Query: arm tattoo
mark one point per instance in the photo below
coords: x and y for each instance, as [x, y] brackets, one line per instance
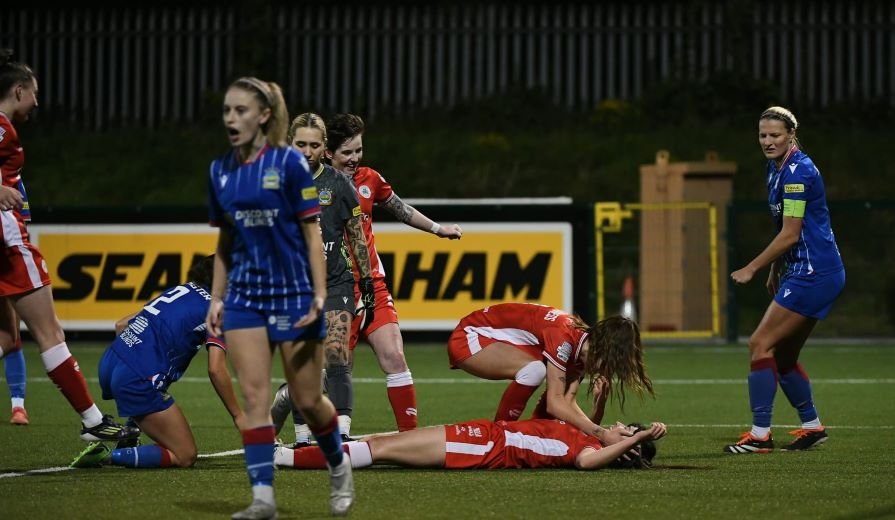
[400, 209]
[358, 242]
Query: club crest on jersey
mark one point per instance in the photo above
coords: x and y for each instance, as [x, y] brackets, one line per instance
[365, 192]
[564, 352]
[325, 197]
[271, 178]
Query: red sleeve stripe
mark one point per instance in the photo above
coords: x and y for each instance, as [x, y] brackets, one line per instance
[215, 342]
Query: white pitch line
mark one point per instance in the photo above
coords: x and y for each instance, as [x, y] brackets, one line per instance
[230, 453]
[35, 472]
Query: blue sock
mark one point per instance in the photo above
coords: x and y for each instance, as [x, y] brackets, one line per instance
[762, 388]
[152, 456]
[258, 443]
[15, 373]
[797, 388]
[329, 440]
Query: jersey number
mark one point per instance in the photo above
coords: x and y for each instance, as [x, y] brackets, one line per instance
[168, 297]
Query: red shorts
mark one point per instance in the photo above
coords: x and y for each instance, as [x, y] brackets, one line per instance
[23, 269]
[467, 340]
[473, 445]
[384, 313]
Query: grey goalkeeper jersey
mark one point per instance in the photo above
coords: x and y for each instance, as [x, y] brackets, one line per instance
[338, 204]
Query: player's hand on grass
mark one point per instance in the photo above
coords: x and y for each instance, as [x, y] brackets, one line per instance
[313, 313]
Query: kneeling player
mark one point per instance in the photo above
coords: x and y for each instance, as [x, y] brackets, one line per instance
[153, 349]
[484, 444]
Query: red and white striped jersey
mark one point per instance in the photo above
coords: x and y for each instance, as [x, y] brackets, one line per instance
[12, 160]
[372, 188]
[531, 327]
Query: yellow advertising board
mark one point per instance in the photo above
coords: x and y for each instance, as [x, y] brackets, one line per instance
[103, 272]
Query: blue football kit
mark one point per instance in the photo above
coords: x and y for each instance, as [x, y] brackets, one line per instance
[814, 275]
[264, 202]
[155, 350]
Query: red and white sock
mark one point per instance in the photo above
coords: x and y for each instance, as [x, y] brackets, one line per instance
[312, 458]
[63, 370]
[402, 396]
[516, 396]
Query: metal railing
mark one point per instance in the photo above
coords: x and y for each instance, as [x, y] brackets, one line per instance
[100, 67]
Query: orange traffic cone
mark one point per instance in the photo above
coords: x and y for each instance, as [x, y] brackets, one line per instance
[628, 309]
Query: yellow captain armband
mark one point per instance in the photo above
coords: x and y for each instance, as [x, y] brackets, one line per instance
[794, 208]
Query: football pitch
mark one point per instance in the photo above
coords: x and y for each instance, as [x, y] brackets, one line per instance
[701, 395]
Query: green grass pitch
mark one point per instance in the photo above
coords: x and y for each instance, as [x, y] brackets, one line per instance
[701, 395]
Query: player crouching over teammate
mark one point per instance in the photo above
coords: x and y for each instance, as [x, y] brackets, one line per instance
[484, 444]
[153, 349]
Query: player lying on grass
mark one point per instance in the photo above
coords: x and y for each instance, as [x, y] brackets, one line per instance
[484, 444]
[529, 343]
[153, 349]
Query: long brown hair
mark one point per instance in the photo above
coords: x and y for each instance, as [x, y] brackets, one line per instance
[615, 352]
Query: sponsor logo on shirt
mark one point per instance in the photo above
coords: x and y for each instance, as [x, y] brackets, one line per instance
[471, 431]
[271, 178]
[224, 179]
[786, 292]
[365, 191]
[775, 209]
[356, 211]
[326, 197]
[256, 217]
[309, 193]
[792, 168]
[794, 188]
[2, 133]
[564, 352]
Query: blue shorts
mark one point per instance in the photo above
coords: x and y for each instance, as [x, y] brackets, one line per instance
[813, 295]
[134, 395]
[279, 323]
